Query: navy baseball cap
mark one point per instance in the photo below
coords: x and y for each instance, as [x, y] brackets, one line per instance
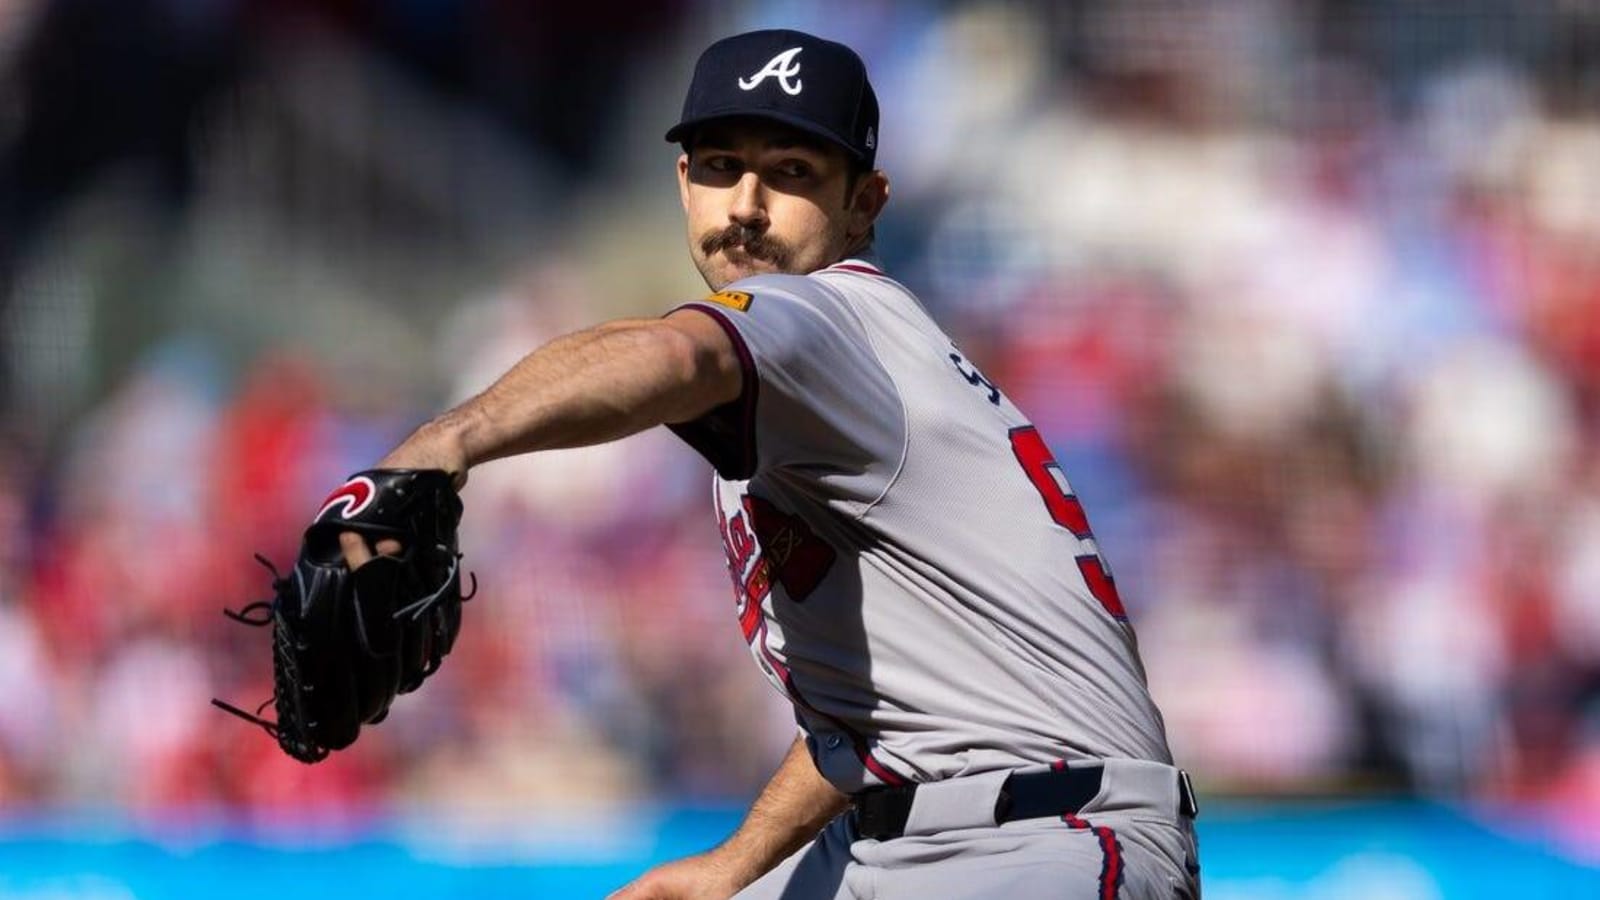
[787, 76]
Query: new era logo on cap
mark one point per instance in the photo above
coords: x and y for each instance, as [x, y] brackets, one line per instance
[759, 74]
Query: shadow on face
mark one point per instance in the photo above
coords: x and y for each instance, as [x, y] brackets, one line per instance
[763, 196]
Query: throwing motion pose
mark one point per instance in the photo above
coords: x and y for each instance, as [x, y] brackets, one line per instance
[911, 567]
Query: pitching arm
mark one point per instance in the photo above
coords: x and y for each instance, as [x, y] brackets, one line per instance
[589, 387]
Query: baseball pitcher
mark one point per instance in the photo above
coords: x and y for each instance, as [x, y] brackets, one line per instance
[911, 567]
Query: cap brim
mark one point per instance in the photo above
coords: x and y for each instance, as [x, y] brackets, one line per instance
[680, 132]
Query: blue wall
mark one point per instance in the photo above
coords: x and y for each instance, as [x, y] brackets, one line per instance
[1387, 851]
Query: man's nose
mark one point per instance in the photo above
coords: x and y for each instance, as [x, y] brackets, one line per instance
[749, 206]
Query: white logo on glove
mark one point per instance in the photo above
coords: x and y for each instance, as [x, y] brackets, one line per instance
[782, 67]
[354, 495]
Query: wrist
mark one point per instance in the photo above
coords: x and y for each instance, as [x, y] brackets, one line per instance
[439, 444]
[462, 436]
[738, 864]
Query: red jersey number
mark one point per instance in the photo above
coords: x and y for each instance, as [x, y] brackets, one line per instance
[1045, 473]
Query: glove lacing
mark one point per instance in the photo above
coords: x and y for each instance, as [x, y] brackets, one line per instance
[245, 615]
[418, 607]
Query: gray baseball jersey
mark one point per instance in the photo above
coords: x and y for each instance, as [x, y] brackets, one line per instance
[910, 565]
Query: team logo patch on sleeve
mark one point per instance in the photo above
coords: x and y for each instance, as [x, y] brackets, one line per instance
[738, 300]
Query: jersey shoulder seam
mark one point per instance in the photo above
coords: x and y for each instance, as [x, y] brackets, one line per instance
[848, 304]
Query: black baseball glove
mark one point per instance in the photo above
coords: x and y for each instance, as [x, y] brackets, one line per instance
[345, 643]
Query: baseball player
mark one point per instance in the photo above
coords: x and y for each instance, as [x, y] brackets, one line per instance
[911, 567]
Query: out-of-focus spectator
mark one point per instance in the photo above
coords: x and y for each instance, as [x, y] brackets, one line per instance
[1307, 303]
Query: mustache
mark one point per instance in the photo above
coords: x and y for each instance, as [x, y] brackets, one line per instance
[757, 244]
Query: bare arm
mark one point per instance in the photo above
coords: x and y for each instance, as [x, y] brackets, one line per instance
[796, 803]
[791, 809]
[589, 387]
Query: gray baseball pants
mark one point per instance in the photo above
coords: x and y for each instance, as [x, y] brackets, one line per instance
[1131, 841]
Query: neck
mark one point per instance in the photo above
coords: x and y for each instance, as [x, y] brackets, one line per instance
[861, 246]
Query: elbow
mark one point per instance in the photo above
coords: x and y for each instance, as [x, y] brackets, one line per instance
[701, 370]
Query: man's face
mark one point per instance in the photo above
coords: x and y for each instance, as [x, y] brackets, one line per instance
[761, 197]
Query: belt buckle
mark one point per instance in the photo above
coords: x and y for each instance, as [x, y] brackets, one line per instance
[1188, 803]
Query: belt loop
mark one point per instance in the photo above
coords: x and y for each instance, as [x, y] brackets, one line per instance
[881, 812]
[1188, 803]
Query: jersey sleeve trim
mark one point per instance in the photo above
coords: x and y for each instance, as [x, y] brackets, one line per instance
[726, 436]
[854, 267]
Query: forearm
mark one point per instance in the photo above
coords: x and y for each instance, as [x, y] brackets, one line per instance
[796, 803]
[589, 387]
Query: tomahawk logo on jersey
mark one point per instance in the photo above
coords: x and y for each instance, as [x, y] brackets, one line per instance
[911, 649]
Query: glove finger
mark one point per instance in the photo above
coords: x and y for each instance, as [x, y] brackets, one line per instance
[421, 652]
[375, 594]
[447, 625]
[418, 650]
[329, 691]
[316, 704]
[375, 636]
[335, 720]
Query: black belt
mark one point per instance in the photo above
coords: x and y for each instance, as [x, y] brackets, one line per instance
[881, 813]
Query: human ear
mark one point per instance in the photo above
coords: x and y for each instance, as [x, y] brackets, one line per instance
[867, 201]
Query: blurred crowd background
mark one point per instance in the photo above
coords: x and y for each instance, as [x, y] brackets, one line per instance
[1305, 294]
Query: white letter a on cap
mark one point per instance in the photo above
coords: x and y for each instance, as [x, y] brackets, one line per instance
[781, 67]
